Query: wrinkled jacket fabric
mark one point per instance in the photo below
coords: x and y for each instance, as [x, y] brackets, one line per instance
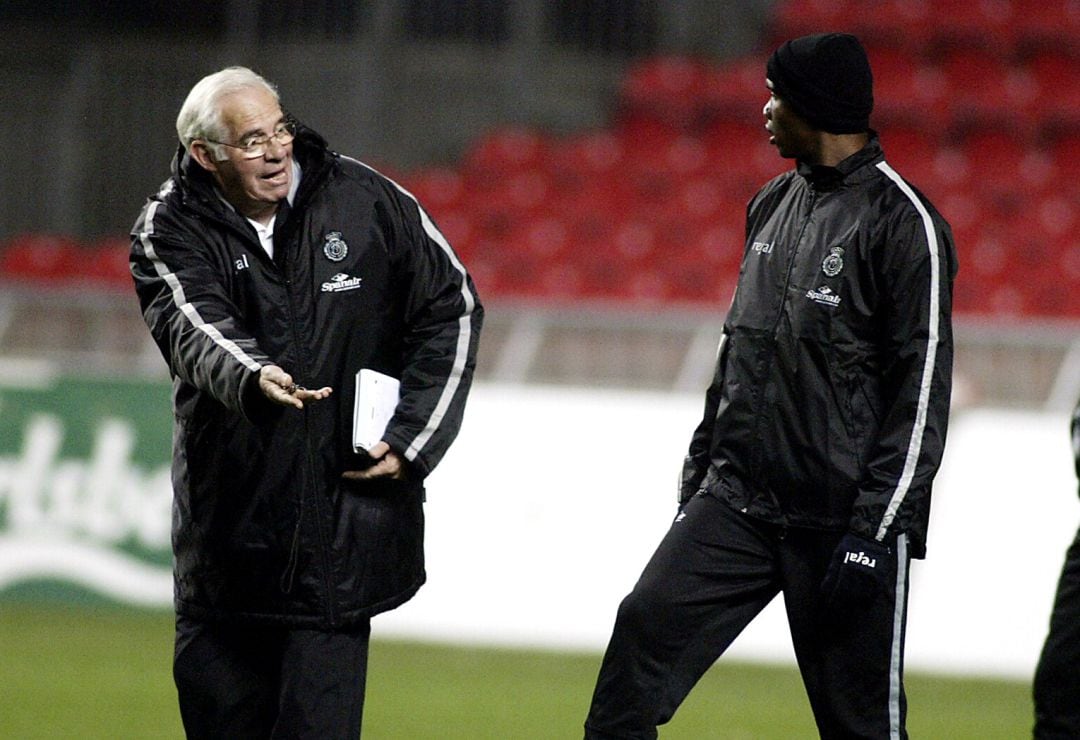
[830, 401]
[264, 528]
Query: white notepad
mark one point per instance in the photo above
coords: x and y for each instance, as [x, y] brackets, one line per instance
[376, 398]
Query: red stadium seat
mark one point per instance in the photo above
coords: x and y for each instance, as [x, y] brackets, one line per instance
[1053, 292]
[983, 89]
[667, 88]
[989, 24]
[977, 102]
[501, 154]
[725, 137]
[906, 23]
[1064, 153]
[50, 258]
[700, 200]
[911, 151]
[1055, 75]
[1050, 24]
[439, 189]
[546, 238]
[107, 262]
[706, 269]
[515, 199]
[686, 156]
[507, 149]
[1007, 301]
[1067, 266]
[908, 90]
[735, 91]
[800, 17]
[579, 161]
[1057, 217]
[460, 229]
[1009, 167]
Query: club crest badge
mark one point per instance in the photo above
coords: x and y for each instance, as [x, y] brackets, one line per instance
[335, 247]
[834, 263]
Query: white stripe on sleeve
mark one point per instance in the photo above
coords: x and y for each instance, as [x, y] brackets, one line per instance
[180, 299]
[919, 425]
[461, 352]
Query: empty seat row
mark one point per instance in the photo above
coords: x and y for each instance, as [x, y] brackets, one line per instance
[56, 260]
[651, 207]
[954, 89]
[1001, 24]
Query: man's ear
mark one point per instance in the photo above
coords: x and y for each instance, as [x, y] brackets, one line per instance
[201, 153]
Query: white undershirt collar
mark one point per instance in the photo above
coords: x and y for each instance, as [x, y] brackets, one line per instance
[266, 231]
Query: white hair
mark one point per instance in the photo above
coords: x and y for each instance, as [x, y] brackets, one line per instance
[200, 115]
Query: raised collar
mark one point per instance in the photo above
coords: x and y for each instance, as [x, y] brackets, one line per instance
[824, 177]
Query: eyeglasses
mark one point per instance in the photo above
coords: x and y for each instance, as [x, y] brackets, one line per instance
[254, 147]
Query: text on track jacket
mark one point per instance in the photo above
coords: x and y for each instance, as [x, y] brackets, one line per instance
[264, 528]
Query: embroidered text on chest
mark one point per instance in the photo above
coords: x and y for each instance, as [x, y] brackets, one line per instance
[824, 295]
[341, 282]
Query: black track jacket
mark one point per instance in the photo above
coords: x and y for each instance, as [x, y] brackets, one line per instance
[264, 528]
[830, 401]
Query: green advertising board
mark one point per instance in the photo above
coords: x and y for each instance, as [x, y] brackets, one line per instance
[85, 492]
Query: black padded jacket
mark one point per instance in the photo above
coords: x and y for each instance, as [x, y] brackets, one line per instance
[264, 527]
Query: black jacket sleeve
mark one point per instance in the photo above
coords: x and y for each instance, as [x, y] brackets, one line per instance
[443, 317]
[696, 463]
[190, 316]
[918, 267]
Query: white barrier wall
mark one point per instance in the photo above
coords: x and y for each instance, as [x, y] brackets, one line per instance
[544, 513]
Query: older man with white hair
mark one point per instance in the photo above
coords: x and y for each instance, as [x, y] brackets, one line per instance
[271, 271]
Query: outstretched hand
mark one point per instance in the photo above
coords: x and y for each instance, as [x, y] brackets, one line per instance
[278, 386]
[388, 464]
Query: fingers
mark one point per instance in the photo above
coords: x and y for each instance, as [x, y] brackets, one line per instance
[278, 386]
[388, 465]
[378, 449]
[307, 394]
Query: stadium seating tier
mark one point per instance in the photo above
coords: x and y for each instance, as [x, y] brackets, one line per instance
[978, 104]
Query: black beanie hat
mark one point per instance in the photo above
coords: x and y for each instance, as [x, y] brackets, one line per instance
[826, 79]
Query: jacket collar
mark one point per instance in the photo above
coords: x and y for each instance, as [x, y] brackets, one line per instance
[822, 177]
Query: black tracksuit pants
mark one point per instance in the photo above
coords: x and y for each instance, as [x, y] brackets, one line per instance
[1057, 676]
[237, 681]
[714, 571]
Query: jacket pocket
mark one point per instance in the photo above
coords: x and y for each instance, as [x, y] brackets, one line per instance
[863, 420]
[378, 540]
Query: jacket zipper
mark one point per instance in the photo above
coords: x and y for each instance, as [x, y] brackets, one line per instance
[776, 325]
[791, 259]
[324, 555]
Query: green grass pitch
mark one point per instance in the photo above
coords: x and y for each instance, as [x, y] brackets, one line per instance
[98, 672]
